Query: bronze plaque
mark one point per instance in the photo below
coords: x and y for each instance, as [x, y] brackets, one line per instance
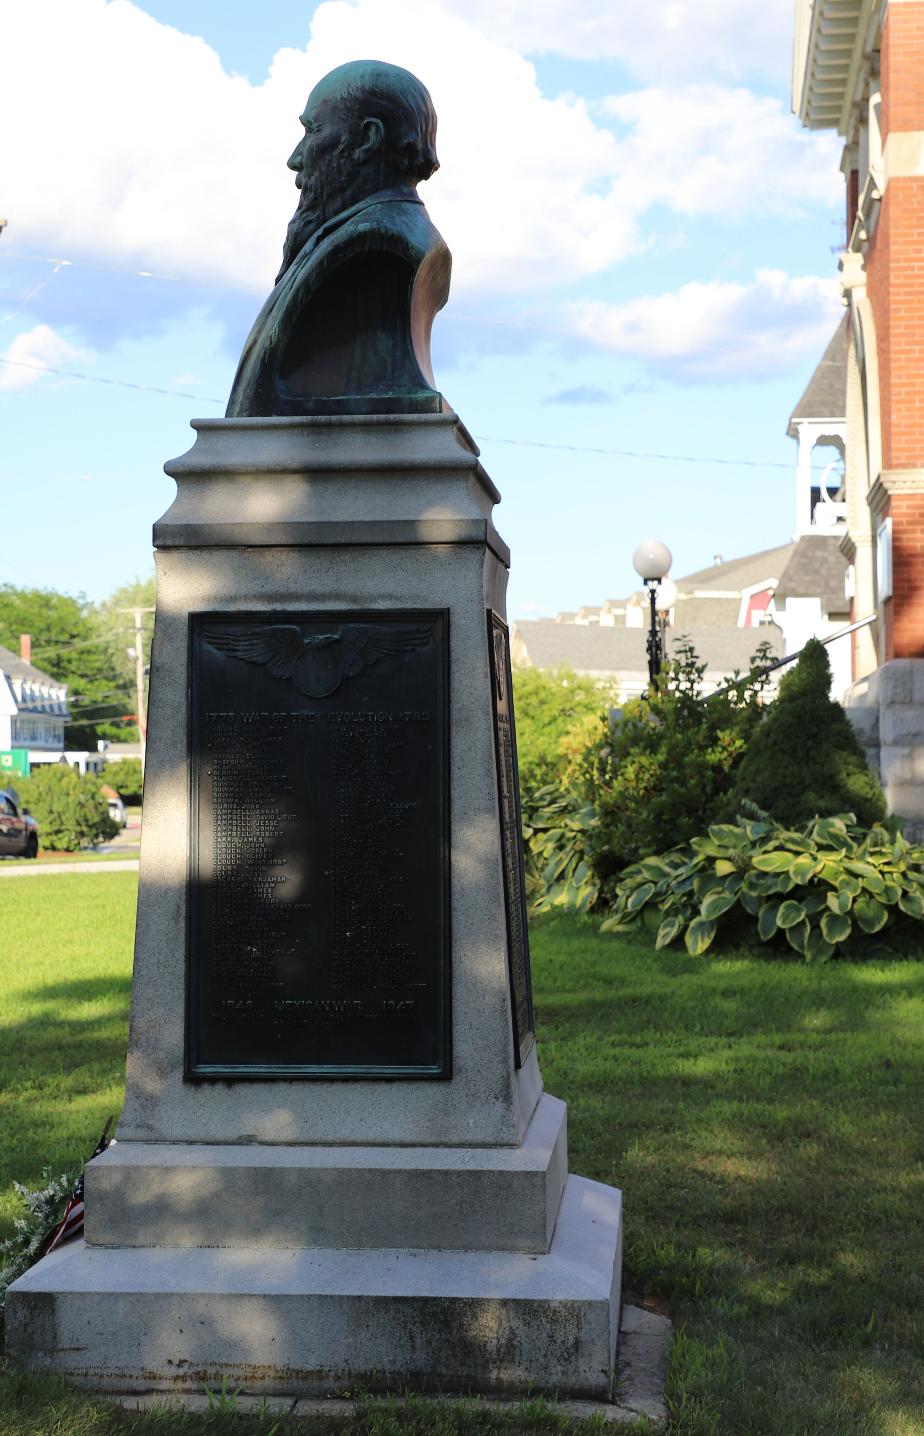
[508, 791]
[318, 941]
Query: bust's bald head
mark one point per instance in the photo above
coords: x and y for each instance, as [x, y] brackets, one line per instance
[371, 89]
[368, 126]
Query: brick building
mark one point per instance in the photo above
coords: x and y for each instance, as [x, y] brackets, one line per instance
[858, 68]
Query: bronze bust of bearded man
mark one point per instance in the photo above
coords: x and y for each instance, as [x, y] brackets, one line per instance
[347, 328]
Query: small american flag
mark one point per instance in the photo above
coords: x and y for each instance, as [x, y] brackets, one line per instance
[71, 1224]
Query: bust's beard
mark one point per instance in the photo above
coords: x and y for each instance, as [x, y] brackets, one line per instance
[321, 196]
[301, 227]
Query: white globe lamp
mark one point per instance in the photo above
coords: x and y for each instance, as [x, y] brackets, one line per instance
[666, 595]
[651, 561]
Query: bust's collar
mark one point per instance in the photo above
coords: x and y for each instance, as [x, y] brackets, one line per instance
[382, 196]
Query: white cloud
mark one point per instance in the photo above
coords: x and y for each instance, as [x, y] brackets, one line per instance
[24, 361]
[705, 149]
[718, 330]
[680, 39]
[132, 142]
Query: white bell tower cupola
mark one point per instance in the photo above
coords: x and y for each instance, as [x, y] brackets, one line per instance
[819, 421]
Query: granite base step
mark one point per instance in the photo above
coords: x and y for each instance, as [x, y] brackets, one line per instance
[196, 1194]
[644, 1346]
[267, 1321]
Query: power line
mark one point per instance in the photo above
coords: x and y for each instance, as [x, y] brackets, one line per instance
[81, 643]
[117, 383]
[58, 263]
[96, 722]
[123, 269]
[637, 454]
[106, 699]
[84, 713]
[481, 438]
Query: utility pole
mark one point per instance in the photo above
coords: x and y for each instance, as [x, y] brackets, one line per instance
[140, 707]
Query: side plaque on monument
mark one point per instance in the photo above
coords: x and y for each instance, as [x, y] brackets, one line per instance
[508, 792]
[318, 941]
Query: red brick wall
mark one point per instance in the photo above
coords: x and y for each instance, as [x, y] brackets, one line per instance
[902, 68]
[903, 616]
[878, 273]
[895, 263]
[895, 271]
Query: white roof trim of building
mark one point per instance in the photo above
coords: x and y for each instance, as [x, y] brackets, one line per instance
[829, 45]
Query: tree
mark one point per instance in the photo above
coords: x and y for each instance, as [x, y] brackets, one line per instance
[115, 624]
[126, 777]
[805, 760]
[86, 647]
[558, 714]
[65, 645]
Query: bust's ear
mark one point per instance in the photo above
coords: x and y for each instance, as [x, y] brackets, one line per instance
[373, 139]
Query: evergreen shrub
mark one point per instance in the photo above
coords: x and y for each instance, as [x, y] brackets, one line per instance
[805, 760]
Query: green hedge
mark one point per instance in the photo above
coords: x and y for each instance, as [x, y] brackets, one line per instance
[125, 776]
[70, 809]
[669, 768]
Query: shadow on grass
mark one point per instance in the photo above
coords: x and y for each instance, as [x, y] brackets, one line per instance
[81, 1015]
[763, 1120]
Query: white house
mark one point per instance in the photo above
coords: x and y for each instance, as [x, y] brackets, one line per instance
[33, 714]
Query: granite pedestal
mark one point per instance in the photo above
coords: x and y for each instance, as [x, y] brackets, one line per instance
[295, 1231]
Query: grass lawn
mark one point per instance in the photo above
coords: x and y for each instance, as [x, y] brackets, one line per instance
[763, 1118]
[65, 979]
[46, 857]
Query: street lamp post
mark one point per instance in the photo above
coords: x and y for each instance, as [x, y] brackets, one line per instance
[651, 562]
[665, 599]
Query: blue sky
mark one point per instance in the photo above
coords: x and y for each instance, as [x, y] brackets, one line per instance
[644, 262]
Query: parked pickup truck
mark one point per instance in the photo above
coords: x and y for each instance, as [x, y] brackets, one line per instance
[19, 834]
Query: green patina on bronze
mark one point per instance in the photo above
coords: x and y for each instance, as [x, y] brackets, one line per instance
[347, 328]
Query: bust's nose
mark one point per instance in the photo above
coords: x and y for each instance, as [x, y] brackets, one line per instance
[294, 161]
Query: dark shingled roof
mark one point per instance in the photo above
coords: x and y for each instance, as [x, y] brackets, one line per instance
[816, 569]
[18, 668]
[825, 396]
[591, 648]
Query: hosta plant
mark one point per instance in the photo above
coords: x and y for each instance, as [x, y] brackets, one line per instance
[555, 828]
[830, 888]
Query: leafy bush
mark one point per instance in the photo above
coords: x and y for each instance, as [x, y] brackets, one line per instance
[665, 773]
[70, 809]
[125, 776]
[828, 889]
[556, 825]
[805, 760]
[558, 715]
